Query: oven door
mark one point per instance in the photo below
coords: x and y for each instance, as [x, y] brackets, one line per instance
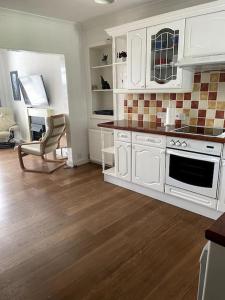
[193, 172]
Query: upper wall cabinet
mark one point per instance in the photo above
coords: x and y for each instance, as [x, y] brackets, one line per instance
[152, 56]
[165, 46]
[204, 35]
[136, 58]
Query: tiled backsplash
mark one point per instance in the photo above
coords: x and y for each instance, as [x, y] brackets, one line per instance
[205, 106]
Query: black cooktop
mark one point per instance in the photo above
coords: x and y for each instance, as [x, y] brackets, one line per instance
[201, 130]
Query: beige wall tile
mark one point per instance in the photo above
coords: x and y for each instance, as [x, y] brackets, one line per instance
[220, 105]
[203, 96]
[203, 104]
[209, 122]
[218, 123]
[211, 104]
[210, 113]
[214, 77]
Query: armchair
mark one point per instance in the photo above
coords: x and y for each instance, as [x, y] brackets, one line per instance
[48, 144]
[7, 127]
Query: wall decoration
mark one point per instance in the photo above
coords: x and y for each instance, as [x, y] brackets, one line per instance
[15, 86]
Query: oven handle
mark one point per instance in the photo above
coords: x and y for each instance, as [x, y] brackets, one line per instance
[194, 156]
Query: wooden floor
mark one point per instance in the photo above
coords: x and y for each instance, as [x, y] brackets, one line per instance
[71, 236]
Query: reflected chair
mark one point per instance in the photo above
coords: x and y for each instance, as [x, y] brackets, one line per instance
[56, 126]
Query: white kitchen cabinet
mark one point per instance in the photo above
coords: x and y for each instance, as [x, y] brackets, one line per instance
[136, 58]
[165, 46]
[95, 146]
[204, 35]
[221, 200]
[148, 166]
[123, 160]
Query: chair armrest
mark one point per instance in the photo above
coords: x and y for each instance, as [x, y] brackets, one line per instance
[30, 143]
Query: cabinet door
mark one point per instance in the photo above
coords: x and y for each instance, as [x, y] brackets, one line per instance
[95, 146]
[165, 45]
[148, 167]
[123, 160]
[136, 58]
[204, 35]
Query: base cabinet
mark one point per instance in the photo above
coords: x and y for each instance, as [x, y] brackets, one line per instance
[148, 167]
[95, 145]
[123, 160]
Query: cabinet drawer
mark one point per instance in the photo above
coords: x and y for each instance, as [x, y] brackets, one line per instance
[122, 135]
[153, 140]
[195, 198]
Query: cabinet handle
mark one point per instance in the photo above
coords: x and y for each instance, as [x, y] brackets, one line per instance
[123, 136]
[151, 140]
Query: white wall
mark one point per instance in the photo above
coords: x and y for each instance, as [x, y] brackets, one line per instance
[51, 66]
[33, 33]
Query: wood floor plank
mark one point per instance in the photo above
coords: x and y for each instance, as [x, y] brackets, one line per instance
[71, 236]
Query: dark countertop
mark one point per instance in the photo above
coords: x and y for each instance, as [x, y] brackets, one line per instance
[155, 128]
[216, 233]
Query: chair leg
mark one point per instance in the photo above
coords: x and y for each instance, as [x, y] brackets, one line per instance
[20, 156]
[59, 161]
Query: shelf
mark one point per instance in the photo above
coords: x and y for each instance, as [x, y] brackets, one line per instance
[111, 172]
[123, 91]
[109, 150]
[103, 66]
[120, 63]
[102, 117]
[106, 90]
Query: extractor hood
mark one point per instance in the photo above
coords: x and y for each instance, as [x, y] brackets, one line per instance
[203, 63]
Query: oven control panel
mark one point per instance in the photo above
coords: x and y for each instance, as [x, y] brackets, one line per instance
[194, 145]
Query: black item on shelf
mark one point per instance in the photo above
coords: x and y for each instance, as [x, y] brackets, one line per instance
[123, 54]
[106, 112]
[105, 84]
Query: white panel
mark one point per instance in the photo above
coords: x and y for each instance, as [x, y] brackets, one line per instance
[95, 145]
[204, 35]
[148, 167]
[193, 197]
[136, 59]
[149, 139]
[123, 160]
[122, 135]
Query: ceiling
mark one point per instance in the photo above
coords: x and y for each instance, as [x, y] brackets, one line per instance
[72, 10]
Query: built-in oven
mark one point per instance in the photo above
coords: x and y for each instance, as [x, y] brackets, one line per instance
[195, 172]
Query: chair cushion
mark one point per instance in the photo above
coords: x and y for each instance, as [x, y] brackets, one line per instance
[31, 149]
[4, 134]
[6, 119]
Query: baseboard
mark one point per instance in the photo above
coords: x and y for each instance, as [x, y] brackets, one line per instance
[187, 205]
[81, 162]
